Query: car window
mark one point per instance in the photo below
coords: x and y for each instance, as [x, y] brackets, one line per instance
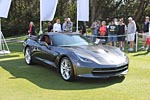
[46, 39]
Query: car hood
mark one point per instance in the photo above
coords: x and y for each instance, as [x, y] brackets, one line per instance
[100, 54]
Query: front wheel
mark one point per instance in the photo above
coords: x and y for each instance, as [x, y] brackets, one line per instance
[66, 69]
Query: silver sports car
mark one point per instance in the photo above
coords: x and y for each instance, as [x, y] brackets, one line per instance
[75, 56]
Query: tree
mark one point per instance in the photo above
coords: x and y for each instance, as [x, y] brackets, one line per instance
[23, 11]
[142, 5]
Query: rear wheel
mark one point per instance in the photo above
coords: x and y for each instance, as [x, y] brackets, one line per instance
[66, 69]
[28, 57]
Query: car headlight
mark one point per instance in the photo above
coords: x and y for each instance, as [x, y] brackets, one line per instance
[83, 59]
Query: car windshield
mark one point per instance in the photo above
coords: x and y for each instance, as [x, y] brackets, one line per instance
[70, 40]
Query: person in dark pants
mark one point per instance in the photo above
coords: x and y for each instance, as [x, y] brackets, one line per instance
[103, 32]
[83, 28]
[121, 34]
[50, 27]
[31, 30]
[145, 31]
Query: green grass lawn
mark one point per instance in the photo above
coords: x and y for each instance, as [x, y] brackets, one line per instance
[19, 81]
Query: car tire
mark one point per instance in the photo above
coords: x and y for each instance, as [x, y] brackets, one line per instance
[66, 69]
[28, 57]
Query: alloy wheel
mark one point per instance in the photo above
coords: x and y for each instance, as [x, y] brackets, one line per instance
[66, 70]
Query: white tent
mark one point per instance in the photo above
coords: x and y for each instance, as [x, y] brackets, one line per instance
[48, 9]
[3, 45]
[82, 11]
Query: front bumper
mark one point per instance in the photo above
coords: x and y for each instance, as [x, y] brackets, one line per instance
[100, 71]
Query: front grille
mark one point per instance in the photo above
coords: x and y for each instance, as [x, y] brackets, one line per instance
[104, 71]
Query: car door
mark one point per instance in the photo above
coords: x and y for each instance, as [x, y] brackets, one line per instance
[46, 53]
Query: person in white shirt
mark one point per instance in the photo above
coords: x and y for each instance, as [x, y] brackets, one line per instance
[57, 26]
[131, 30]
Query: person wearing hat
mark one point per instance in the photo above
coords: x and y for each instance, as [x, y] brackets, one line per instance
[145, 31]
[131, 30]
[67, 26]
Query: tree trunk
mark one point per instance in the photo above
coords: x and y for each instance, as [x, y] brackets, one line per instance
[140, 9]
[93, 9]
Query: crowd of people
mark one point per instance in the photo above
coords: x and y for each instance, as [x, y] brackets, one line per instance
[56, 27]
[114, 33]
[117, 32]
